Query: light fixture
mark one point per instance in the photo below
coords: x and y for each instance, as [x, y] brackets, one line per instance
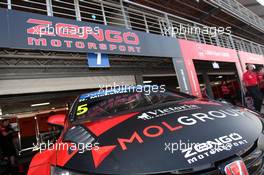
[217, 83]
[261, 2]
[94, 17]
[215, 65]
[147, 81]
[40, 104]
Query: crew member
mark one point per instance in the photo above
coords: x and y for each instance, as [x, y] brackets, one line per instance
[226, 91]
[261, 79]
[250, 80]
[7, 145]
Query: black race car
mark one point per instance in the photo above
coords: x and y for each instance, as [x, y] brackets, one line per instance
[124, 132]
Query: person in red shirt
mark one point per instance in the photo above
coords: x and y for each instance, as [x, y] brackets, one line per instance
[260, 75]
[225, 90]
[250, 80]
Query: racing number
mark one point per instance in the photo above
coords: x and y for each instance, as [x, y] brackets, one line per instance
[82, 109]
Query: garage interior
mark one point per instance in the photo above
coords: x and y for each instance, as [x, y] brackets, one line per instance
[63, 75]
[211, 79]
[36, 84]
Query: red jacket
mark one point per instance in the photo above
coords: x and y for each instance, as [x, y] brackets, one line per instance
[225, 90]
[250, 78]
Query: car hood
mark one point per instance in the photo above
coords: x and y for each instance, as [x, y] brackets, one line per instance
[189, 135]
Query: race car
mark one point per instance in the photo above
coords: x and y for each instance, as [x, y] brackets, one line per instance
[132, 132]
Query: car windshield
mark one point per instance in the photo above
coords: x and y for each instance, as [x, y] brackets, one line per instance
[94, 106]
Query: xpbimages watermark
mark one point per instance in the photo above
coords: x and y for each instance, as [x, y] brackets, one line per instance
[80, 147]
[184, 30]
[122, 88]
[64, 30]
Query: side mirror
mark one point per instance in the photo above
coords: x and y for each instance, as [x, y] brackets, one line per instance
[57, 120]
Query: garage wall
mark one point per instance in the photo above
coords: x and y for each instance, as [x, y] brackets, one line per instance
[21, 86]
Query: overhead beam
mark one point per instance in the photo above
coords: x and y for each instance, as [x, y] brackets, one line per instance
[171, 10]
[245, 27]
[214, 11]
[251, 5]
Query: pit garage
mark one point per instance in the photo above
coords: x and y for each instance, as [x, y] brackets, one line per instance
[209, 67]
[35, 84]
[63, 76]
[212, 76]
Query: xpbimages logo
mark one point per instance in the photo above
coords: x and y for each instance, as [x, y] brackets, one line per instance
[161, 112]
[62, 146]
[117, 88]
[185, 30]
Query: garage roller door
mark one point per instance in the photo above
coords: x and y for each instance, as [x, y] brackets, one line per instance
[21, 86]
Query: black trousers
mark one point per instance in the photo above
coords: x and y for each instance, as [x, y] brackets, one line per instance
[257, 96]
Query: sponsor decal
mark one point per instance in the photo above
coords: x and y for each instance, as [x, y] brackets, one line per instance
[214, 53]
[206, 52]
[236, 168]
[82, 109]
[211, 147]
[153, 131]
[46, 33]
[161, 112]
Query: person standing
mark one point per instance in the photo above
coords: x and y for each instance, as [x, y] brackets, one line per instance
[225, 91]
[261, 79]
[6, 136]
[250, 81]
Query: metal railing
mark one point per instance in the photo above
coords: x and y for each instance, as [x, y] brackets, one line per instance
[241, 12]
[125, 13]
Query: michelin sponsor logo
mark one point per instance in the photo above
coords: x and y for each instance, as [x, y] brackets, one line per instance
[161, 112]
[206, 149]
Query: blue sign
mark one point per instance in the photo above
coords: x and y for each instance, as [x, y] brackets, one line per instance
[98, 60]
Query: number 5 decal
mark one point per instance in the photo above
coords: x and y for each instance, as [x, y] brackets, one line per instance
[82, 109]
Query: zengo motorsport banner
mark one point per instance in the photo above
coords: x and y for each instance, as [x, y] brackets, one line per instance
[33, 31]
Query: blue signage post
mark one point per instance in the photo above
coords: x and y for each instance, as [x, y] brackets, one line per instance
[97, 60]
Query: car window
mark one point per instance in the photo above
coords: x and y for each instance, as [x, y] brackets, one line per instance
[105, 106]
